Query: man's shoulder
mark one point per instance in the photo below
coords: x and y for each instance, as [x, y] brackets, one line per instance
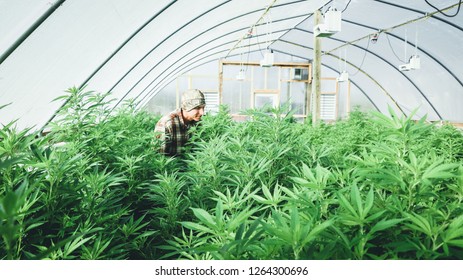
[170, 119]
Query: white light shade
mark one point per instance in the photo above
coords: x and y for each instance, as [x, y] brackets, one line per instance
[343, 77]
[268, 59]
[241, 75]
[413, 64]
[333, 20]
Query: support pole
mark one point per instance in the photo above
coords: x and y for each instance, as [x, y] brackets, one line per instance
[220, 81]
[308, 98]
[348, 99]
[316, 89]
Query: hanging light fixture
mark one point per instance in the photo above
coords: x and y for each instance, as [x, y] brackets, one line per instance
[414, 62]
[269, 58]
[241, 76]
[344, 75]
[331, 23]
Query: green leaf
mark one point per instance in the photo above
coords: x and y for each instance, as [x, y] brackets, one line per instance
[290, 193]
[419, 223]
[266, 192]
[308, 173]
[260, 199]
[252, 228]
[357, 200]
[369, 201]
[375, 216]
[204, 217]
[384, 224]
[454, 230]
[239, 232]
[34, 225]
[146, 234]
[440, 171]
[75, 244]
[345, 204]
[4, 164]
[305, 183]
[9, 204]
[295, 224]
[219, 213]
[457, 242]
[196, 226]
[3, 106]
[236, 220]
[317, 230]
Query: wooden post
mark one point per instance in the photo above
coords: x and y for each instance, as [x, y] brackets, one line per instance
[308, 96]
[220, 81]
[316, 72]
[308, 100]
[348, 99]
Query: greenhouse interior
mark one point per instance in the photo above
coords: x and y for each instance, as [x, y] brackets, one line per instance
[331, 130]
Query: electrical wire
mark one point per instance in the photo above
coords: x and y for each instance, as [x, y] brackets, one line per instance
[339, 63]
[267, 9]
[424, 17]
[346, 6]
[437, 9]
[392, 49]
[416, 41]
[405, 45]
[363, 59]
[267, 25]
[249, 51]
[258, 42]
[267, 33]
[340, 68]
[241, 61]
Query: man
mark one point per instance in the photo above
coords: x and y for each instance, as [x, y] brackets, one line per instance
[173, 128]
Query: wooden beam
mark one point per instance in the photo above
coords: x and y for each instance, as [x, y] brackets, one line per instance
[316, 71]
[220, 81]
[277, 64]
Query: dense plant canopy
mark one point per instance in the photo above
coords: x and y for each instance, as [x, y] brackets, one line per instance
[369, 187]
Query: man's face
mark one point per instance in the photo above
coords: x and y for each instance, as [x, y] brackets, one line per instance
[194, 114]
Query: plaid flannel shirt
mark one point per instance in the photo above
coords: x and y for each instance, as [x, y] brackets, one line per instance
[173, 132]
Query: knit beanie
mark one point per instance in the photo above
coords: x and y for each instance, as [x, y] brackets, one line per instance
[192, 98]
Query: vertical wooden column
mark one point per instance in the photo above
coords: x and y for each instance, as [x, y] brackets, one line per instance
[316, 72]
[220, 81]
[308, 95]
[348, 99]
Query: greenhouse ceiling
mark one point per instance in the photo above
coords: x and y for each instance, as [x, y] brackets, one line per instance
[135, 48]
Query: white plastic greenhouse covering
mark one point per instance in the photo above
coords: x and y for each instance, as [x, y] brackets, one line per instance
[135, 48]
